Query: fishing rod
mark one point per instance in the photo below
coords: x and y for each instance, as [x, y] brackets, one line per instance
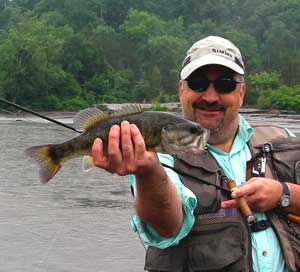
[39, 115]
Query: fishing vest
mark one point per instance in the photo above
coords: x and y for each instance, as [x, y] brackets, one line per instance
[220, 238]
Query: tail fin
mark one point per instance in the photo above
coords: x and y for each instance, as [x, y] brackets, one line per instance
[48, 166]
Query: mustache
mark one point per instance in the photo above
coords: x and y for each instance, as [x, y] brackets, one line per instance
[204, 105]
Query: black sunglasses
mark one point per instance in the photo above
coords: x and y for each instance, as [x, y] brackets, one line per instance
[223, 84]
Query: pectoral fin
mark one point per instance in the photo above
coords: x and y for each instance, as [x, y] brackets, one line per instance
[87, 163]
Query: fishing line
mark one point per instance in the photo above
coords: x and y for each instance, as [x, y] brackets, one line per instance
[221, 188]
[54, 238]
[39, 115]
[131, 215]
[6, 111]
[138, 234]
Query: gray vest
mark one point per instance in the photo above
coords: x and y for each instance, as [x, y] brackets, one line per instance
[220, 238]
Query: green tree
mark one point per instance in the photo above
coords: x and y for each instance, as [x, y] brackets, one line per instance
[77, 13]
[281, 52]
[119, 52]
[165, 53]
[284, 97]
[58, 54]
[260, 84]
[29, 64]
[10, 14]
[248, 47]
[158, 52]
[139, 26]
[111, 86]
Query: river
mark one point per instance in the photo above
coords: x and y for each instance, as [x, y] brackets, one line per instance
[78, 222]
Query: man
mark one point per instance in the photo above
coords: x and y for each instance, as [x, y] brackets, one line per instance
[189, 225]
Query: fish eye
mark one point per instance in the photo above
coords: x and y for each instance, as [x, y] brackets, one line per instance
[193, 130]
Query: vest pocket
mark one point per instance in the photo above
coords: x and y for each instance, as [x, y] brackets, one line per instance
[171, 259]
[218, 247]
[213, 245]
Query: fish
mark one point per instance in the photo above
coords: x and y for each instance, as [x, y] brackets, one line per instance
[162, 131]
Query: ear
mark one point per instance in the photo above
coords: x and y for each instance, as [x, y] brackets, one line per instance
[180, 88]
[242, 93]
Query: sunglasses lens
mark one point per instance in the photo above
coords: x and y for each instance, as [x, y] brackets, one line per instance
[198, 84]
[224, 85]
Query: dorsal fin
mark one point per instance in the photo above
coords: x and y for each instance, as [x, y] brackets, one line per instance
[88, 117]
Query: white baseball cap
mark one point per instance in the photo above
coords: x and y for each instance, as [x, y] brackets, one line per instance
[212, 50]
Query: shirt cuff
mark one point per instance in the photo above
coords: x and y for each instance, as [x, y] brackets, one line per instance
[150, 237]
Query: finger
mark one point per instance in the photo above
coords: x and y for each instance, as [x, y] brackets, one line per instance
[251, 199]
[228, 204]
[99, 158]
[138, 141]
[245, 190]
[114, 152]
[126, 143]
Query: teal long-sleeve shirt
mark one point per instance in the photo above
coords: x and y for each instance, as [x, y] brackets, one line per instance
[266, 252]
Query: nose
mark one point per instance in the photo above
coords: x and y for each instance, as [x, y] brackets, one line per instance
[210, 94]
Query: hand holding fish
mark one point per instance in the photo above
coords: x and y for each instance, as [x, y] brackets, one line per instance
[126, 152]
[157, 200]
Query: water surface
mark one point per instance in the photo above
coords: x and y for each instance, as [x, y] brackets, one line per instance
[77, 222]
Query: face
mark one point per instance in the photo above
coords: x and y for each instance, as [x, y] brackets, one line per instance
[215, 111]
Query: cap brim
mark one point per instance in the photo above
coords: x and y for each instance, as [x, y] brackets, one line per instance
[210, 59]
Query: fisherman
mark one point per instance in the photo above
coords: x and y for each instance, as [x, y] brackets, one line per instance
[189, 225]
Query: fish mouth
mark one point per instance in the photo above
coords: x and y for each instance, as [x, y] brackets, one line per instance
[203, 139]
[198, 146]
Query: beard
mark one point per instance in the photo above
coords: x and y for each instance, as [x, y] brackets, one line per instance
[222, 126]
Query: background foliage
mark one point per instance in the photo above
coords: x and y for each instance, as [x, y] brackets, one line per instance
[69, 54]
